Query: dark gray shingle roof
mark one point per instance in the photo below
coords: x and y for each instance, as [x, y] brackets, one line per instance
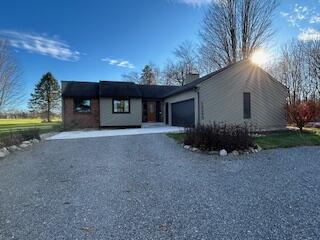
[119, 89]
[80, 89]
[114, 89]
[155, 91]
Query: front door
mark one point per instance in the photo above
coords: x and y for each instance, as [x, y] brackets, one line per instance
[152, 116]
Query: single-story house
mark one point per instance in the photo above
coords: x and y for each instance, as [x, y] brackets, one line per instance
[241, 92]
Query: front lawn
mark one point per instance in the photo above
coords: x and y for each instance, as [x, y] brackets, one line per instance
[284, 139]
[289, 139]
[179, 137]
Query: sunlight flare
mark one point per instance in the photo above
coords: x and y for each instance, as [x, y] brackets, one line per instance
[260, 57]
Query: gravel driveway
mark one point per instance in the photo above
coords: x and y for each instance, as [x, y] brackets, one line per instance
[148, 187]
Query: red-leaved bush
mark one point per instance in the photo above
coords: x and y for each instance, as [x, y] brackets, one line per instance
[302, 113]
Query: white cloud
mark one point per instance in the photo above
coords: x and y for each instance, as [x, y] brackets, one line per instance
[298, 14]
[284, 14]
[40, 44]
[309, 34]
[315, 19]
[118, 62]
[196, 3]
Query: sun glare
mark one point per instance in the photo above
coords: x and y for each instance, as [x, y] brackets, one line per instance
[260, 57]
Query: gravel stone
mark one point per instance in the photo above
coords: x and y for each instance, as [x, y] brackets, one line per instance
[149, 187]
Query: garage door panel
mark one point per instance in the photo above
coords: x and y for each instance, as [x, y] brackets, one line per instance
[183, 113]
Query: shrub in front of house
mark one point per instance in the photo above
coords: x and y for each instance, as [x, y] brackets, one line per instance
[17, 137]
[215, 136]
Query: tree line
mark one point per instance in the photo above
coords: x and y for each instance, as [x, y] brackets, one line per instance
[298, 68]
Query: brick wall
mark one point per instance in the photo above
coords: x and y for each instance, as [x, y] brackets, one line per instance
[72, 119]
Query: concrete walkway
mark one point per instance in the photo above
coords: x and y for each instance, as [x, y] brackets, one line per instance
[115, 132]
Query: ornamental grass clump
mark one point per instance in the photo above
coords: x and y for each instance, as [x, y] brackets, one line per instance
[214, 137]
[16, 137]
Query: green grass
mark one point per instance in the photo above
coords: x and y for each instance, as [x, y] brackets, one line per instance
[179, 137]
[285, 139]
[289, 139]
[13, 125]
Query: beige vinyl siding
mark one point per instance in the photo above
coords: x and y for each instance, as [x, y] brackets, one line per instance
[221, 97]
[192, 94]
[110, 119]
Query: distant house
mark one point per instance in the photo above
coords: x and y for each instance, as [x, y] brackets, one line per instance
[241, 92]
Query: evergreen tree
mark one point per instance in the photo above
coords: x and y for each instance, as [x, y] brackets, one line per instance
[148, 76]
[46, 96]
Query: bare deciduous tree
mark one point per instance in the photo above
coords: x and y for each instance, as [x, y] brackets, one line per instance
[298, 68]
[173, 74]
[10, 91]
[314, 53]
[186, 54]
[186, 61]
[233, 30]
[131, 77]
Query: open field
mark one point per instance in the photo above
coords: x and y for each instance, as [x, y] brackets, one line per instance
[12, 125]
[285, 139]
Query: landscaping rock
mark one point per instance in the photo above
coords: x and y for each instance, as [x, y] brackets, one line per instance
[252, 150]
[24, 145]
[35, 141]
[195, 149]
[223, 152]
[13, 148]
[3, 152]
[27, 142]
[258, 148]
[235, 153]
[187, 147]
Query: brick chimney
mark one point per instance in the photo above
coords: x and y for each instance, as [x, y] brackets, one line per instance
[190, 77]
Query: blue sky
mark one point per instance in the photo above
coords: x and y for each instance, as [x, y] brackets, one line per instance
[95, 40]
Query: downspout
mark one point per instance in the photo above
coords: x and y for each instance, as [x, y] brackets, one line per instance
[196, 89]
